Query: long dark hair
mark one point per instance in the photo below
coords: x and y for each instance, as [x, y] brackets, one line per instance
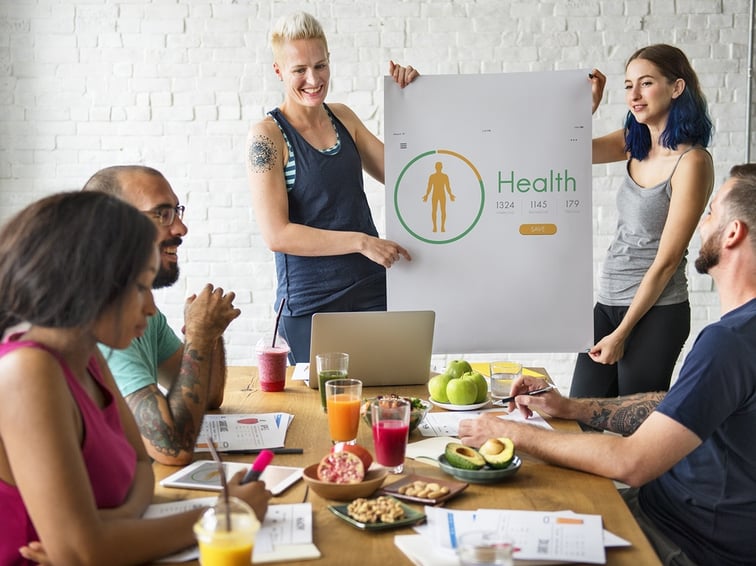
[688, 120]
[66, 257]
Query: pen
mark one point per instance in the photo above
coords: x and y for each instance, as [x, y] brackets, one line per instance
[534, 392]
[274, 450]
[258, 466]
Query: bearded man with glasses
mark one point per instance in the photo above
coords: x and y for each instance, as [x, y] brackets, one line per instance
[192, 373]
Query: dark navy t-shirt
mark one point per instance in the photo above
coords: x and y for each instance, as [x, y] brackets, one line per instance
[707, 502]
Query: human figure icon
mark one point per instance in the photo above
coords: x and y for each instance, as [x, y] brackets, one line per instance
[438, 182]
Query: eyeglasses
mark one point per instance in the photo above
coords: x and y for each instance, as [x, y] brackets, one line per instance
[166, 215]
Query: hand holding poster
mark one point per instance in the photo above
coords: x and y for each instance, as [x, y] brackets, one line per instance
[488, 185]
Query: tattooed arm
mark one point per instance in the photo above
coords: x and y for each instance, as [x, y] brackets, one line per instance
[266, 155]
[621, 415]
[194, 378]
[217, 387]
[654, 443]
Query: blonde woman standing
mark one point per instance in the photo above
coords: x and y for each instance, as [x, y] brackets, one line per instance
[305, 163]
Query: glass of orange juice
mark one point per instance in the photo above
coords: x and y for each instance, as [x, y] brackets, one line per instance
[343, 399]
[226, 533]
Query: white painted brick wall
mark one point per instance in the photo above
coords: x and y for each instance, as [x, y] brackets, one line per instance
[175, 84]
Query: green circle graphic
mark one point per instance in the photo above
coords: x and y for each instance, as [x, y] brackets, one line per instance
[477, 176]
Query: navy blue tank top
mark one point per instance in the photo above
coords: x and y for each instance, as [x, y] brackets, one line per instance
[327, 193]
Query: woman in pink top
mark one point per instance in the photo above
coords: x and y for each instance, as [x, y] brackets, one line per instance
[77, 269]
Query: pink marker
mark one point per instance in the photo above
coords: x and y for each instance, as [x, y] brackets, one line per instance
[260, 463]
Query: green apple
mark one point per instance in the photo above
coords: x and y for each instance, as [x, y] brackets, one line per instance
[480, 383]
[437, 387]
[462, 391]
[456, 368]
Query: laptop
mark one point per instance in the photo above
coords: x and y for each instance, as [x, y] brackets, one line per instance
[384, 347]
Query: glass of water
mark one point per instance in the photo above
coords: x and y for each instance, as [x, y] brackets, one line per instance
[502, 376]
[484, 547]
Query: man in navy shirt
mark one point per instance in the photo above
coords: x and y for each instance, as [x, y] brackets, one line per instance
[688, 454]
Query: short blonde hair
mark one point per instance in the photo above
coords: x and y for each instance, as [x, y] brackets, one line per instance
[298, 25]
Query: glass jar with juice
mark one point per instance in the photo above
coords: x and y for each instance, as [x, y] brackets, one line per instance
[390, 418]
[331, 365]
[226, 533]
[343, 399]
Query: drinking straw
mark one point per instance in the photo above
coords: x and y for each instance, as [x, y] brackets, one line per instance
[278, 319]
[222, 474]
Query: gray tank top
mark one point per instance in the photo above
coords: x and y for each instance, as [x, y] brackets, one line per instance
[642, 214]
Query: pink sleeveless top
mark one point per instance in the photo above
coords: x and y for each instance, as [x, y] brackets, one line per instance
[109, 458]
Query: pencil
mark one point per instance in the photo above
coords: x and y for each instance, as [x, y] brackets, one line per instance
[274, 450]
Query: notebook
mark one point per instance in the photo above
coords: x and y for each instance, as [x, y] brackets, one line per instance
[384, 347]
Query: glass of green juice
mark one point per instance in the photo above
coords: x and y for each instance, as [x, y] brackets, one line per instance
[330, 365]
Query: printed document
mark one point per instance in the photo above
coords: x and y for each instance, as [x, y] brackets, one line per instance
[243, 431]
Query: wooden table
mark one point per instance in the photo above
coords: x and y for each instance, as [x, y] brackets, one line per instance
[537, 486]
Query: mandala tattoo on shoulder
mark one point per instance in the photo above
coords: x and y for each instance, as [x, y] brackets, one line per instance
[262, 154]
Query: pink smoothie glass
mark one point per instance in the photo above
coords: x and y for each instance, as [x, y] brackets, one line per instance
[271, 363]
[390, 419]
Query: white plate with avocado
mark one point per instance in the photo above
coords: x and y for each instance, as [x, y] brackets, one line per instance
[482, 475]
[450, 407]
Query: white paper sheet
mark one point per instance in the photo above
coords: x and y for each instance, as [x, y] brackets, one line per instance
[447, 423]
[243, 431]
[539, 537]
[301, 372]
[428, 450]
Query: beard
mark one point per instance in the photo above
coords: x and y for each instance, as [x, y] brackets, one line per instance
[167, 275]
[708, 256]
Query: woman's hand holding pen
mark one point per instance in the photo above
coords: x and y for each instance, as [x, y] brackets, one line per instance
[254, 493]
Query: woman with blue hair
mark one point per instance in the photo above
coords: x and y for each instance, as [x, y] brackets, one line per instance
[642, 314]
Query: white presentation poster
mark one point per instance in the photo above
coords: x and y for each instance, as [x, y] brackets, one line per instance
[488, 186]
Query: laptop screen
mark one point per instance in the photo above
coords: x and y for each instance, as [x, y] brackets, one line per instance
[384, 347]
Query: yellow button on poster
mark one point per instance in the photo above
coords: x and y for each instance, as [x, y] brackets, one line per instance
[538, 229]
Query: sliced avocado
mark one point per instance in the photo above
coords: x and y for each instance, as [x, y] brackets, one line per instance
[464, 457]
[498, 452]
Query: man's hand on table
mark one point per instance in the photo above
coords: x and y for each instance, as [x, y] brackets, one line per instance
[474, 432]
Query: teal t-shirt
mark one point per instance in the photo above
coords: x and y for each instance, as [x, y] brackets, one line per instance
[137, 366]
